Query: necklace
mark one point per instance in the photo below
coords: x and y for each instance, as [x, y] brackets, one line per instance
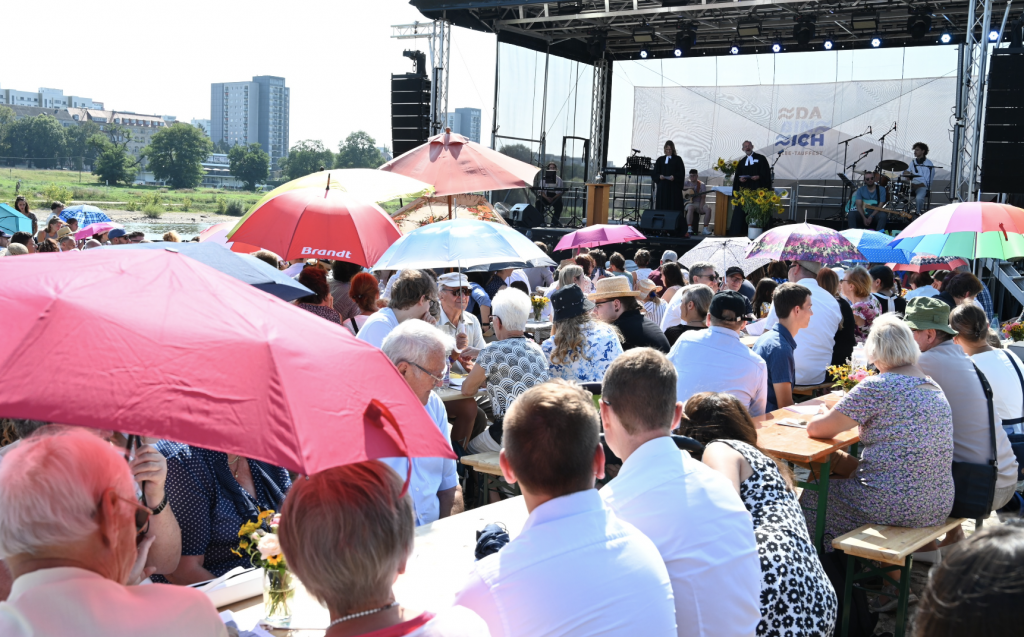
[362, 614]
[234, 466]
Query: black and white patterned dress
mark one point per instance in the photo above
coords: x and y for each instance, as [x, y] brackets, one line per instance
[797, 598]
[512, 366]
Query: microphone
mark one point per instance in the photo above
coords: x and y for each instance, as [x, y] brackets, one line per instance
[894, 126]
[869, 151]
[869, 130]
[782, 151]
[635, 150]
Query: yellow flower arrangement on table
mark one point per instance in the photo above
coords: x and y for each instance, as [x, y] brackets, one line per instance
[726, 167]
[263, 548]
[846, 377]
[759, 204]
[538, 303]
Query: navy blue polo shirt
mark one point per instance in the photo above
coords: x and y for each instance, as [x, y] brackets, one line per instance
[776, 348]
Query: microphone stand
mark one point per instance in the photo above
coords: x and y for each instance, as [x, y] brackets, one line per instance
[881, 140]
[777, 158]
[846, 149]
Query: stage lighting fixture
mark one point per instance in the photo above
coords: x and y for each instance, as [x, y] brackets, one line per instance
[748, 29]
[685, 40]
[829, 43]
[919, 24]
[864, 20]
[803, 30]
[643, 35]
[644, 53]
[946, 37]
[734, 50]
[597, 45]
[993, 36]
[776, 47]
[876, 42]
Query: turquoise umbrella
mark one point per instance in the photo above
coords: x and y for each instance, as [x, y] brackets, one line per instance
[12, 221]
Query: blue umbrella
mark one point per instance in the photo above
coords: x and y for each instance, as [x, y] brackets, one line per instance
[244, 267]
[874, 246]
[468, 244]
[85, 215]
[12, 221]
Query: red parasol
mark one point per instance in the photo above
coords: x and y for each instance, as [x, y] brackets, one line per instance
[178, 350]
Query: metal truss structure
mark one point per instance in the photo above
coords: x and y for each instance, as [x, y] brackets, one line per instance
[439, 36]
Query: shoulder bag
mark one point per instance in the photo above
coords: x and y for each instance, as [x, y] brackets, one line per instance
[1017, 440]
[975, 483]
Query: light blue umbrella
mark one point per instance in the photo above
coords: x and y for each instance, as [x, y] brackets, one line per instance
[12, 221]
[874, 246]
[85, 214]
[467, 244]
[244, 267]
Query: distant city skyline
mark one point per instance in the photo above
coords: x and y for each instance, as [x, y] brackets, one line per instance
[255, 112]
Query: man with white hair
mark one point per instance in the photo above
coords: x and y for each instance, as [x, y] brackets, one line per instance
[418, 350]
[510, 365]
[69, 523]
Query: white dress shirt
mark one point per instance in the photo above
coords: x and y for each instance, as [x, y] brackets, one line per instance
[673, 314]
[815, 342]
[694, 516]
[715, 360]
[429, 475]
[519, 275]
[1007, 394]
[472, 329]
[54, 602]
[924, 290]
[378, 326]
[576, 569]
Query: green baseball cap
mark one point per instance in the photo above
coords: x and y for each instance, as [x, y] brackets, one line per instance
[928, 313]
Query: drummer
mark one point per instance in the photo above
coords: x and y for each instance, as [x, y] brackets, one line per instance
[921, 170]
[870, 194]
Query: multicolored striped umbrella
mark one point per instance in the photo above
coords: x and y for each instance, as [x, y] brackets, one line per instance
[804, 242]
[970, 229]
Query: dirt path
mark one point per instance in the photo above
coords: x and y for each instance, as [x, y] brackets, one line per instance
[125, 216]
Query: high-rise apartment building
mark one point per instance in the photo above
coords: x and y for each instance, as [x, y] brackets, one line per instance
[252, 112]
[203, 125]
[465, 122]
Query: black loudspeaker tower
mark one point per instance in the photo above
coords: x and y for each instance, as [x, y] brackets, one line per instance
[524, 215]
[410, 108]
[1004, 124]
[663, 222]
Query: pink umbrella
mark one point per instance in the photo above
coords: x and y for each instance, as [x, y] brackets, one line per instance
[218, 233]
[599, 235]
[452, 165]
[186, 353]
[96, 228]
[928, 263]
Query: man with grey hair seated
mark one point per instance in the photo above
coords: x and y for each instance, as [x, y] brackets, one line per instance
[694, 303]
[69, 526]
[419, 351]
[510, 365]
[700, 272]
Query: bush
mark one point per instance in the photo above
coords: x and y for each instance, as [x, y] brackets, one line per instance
[221, 207]
[235, 208]
[151, 198]
[132, 206]
[186, 204]
[163, 190]
[153, 211]
[56, 192]
[87, 194]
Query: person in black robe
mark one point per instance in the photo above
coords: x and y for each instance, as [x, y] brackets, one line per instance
[669, 172]
[753, 172]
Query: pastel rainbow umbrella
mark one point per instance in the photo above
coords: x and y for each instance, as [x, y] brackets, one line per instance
[969, 229]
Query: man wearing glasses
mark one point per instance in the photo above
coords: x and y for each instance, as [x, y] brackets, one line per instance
[455, 321]
[702, 273]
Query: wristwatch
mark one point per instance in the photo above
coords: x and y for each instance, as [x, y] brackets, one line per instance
[160, 507]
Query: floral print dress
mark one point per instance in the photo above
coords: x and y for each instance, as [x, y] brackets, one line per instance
[905, 473]
[797, 598]
[867, 310]
[600, 347]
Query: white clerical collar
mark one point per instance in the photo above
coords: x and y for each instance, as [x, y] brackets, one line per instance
[750, 160]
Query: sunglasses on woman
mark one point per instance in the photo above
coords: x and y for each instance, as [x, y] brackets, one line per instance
[142, 516]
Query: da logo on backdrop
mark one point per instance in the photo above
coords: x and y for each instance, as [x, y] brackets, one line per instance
[801, 126]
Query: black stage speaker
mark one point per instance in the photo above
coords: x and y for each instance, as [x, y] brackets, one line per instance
[1004, 125]
[410, 112]
[664, 221]
[525, 216]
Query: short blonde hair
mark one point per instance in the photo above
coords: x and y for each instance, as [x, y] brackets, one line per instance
[859, 278]
[891, 343]
[567, 275]
[346, 532]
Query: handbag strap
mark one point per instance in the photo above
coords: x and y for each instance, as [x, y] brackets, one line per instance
[355, 328]
[1020, 377]
[991, 413]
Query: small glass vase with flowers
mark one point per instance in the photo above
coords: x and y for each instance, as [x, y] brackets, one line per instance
[263, 548]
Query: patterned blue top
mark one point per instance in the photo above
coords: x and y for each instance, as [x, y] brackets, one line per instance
[512, 366]
[600, 347]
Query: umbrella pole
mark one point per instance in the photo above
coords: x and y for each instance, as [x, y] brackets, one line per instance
[450, 216]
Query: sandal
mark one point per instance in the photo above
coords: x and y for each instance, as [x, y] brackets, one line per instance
[892, 597]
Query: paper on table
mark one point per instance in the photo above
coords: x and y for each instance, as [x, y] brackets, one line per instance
[756, 328]
[806, 410]
[456, 382]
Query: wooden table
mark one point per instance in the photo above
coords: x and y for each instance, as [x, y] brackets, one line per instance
[541, 330]
[486, 464]
[454, 393]
[438, 568]
[748, 340]
[794, 445]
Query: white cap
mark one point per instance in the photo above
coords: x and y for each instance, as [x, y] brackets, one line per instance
[840, 272]
[669, 255]
[453, 280]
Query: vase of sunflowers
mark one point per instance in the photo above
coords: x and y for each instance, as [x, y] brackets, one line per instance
[727, 168]
[758, 204]
[538, 303]
[263, 548]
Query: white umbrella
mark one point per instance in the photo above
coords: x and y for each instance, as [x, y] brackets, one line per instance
[724, 253]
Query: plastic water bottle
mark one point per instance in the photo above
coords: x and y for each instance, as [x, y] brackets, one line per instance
[859, 359]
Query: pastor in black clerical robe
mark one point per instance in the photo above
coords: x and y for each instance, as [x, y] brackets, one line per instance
[668, 194]
[754, 165]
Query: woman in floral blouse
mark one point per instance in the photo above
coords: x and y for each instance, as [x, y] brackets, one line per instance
[856, 287]
[580, 348]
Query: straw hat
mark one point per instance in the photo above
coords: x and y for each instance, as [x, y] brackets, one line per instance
[647, 287]
[613, 287]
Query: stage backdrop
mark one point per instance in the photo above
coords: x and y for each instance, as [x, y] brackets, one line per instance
[804, 121]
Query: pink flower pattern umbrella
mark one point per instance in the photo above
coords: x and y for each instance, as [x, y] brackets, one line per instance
[804, 242]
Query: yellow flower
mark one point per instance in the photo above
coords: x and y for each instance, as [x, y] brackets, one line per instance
[265, 514]
[248, 528]
[244, 544]
[274, 560]
[236, 553]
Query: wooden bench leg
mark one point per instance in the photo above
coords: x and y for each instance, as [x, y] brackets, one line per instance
[821, 488]
[851, 564]
[901, 606]
[903, 588]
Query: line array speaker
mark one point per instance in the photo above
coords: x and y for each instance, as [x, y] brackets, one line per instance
[410, 112]
[1004, 126]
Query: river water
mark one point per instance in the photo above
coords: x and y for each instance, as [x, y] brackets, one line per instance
[155, 231]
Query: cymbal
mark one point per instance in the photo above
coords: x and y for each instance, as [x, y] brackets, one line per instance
[893, 164]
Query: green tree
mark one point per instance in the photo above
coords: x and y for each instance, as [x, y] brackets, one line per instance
[79, 149]
[112, 164]
[176, 154]
[308, 156]
[222, 147]
[249, 164]
[359, 150]
[518, 151]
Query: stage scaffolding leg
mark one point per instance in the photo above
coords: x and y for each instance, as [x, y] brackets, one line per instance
[599, 118]
[970, 100]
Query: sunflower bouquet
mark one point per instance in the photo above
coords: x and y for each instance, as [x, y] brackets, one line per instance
[758, 204]
[538, 303]
[846, 377]
[726, 167]
[263, 549]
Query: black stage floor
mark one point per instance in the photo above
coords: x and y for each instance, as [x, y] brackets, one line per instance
[655, 245]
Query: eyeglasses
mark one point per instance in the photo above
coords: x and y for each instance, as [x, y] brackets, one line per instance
[437, 379]
[458, 291]
[142, 516]
[603, 302]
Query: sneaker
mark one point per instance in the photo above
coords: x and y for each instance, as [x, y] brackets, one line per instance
[706, 231]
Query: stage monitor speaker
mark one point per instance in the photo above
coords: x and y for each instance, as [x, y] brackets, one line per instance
[1004, 126]
[663, 221]
[525, 216]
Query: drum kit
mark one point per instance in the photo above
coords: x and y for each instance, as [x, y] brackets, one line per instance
[898, 189]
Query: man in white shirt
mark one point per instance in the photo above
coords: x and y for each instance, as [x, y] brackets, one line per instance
[68, 535]
[814, 344]
[715, 360]
[453, 290]
[418, 350]
[576, 568]
[691, 512]
[924, 285]
[411, 297]
[701, 272]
